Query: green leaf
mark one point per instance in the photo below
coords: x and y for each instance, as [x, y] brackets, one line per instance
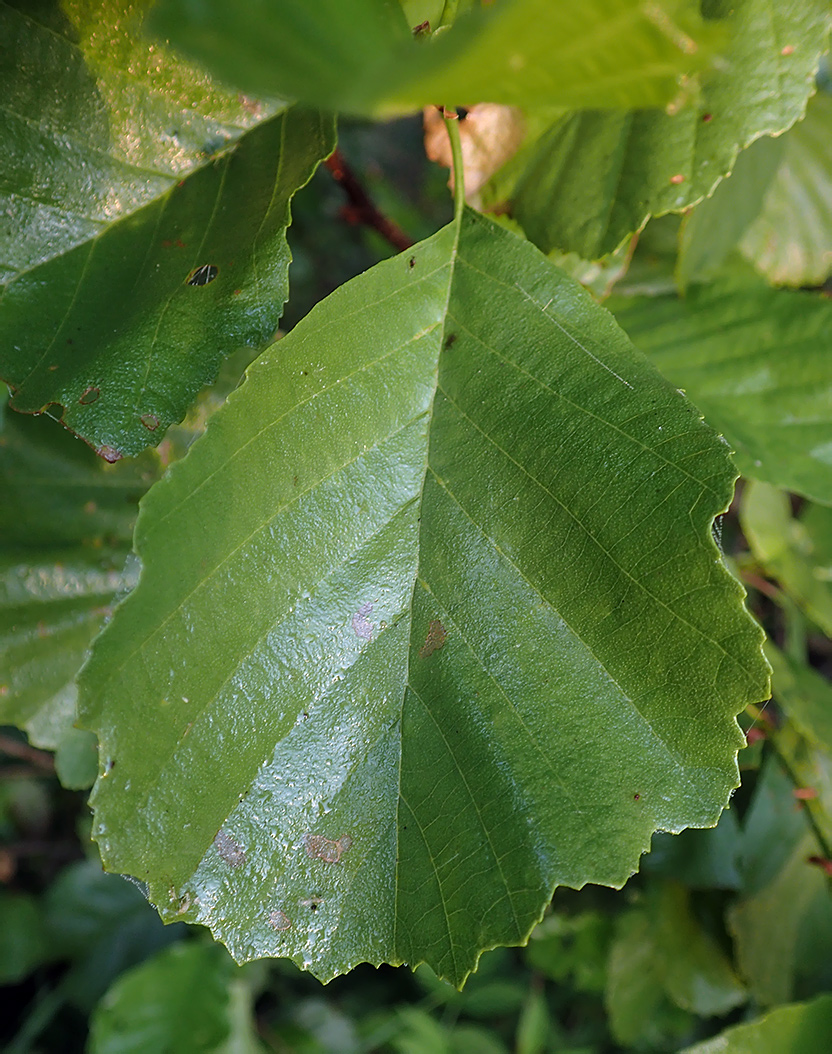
[176, 1003]
[404, 680]
[23, 938]
[598, 175]
[756, 362]
[572, 948]
[712, 230]
[144, 221]
[789, 242]
[360, 57]
[794, 551]
[804, 1028]
[805, 696]
[707, 859]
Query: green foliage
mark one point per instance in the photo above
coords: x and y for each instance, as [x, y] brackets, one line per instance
[439, 625]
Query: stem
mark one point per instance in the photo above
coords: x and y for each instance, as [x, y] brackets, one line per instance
[452, 124]
[361, 208]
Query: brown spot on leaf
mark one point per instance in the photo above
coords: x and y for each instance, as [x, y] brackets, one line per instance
[361, 625]
[787, 50]
[280, 920]
[109, 454]
[89, 396]
[678, 178]
[150, 421]
[707, 118]
[435, 639]
[325, 850]
[229, 850]
[450, 340]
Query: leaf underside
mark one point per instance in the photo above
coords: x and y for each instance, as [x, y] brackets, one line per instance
[453, 629]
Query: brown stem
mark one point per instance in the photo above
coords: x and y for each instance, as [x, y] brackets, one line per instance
[13, 748]
[361, 208]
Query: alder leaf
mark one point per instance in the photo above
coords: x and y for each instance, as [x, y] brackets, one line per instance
[143, 225]
[791, 240]
[360, 57]
[598, 175]
[756, 361]
[453, 629]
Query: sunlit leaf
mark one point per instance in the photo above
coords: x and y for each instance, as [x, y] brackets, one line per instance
[144, 215]
[804, 1028]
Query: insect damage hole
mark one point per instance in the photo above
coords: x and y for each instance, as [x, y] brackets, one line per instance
[202, 275]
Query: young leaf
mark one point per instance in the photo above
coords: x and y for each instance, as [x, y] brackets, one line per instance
[803, 1028]
[756, 362]
[359, 57]
[453, 630]
[790, 240]
[145, 212]
[597, 175]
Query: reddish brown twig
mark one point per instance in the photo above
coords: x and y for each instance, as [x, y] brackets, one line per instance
[361, 208]
[13, 748]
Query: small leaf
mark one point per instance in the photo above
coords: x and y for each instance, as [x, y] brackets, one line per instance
[174, 1002]
[597, 175]
[790, 241]
[405, 679]
[756, 362]
[145, 212]
[361, 57]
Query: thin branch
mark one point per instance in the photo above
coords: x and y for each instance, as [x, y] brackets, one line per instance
[361, 208]
[13, 748]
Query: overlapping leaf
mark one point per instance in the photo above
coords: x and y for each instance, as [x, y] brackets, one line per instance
[144, 213]
[360, 56]
[405, 679]
[791, 240]
[757, 362]
[802, 1028]
[598, 175]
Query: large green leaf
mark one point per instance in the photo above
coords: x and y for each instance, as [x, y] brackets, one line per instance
[757, 362]
[598, 175]
[144, 215]
[803, 1028]
[361, 57]
[453, 628]
[790, 240]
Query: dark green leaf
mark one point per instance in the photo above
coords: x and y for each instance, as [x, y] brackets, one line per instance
[756, 362]
[404, 679]
[144, 223]
[597, 176]
[805, 696]
[805, 1028]
[360, 56]
[23, 940]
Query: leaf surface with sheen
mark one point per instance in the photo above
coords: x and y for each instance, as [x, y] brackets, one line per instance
[405, 679]
[144, 216]
[801, 1028]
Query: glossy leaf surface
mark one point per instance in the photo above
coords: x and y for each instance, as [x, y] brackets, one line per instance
[756, 361]
[803, 1028]
[144, 220]
[360, 57]
[791, 241]
[597, 175]
[404, 680]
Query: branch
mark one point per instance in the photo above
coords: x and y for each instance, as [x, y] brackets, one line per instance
[361, 208]
[13, 748]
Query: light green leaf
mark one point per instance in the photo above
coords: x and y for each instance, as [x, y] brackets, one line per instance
[790, 241]
[791, 550]
[404, 680]
[360, 57]
[175, 1003]
[756, 362]
[598, 175]
[712, 230]
[804, 694]
[144, 220]
[803, 1028]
